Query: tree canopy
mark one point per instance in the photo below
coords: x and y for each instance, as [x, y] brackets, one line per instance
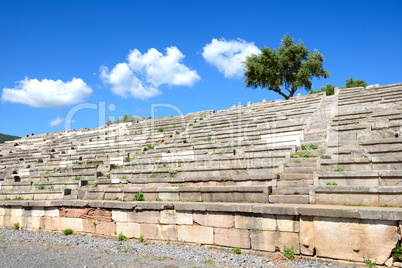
[355, 83]
[284, 70]
[4, 137]
[329, 89]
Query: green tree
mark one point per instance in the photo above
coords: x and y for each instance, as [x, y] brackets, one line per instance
[329, 89]
[355, 83]
[284, 70]
[4, 137]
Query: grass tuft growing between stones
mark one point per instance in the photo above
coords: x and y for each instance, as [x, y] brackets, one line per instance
[310, 146]
[141, 239]
[122, 237]
[289, 252]
[16, 226]
[138, 197]
[369, 262]
[68, 231]
[236, 250]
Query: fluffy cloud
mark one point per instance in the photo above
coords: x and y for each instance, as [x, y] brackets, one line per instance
[47, 93]
[142, 74]
[227, 56]
[56, 121]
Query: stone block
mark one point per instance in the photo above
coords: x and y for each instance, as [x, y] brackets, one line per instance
[196, 234]
[265, 222]
[274, 240]
[49, 223]
[214, 219]
[307, 241]
[176, 217]
[16, 211]
[89, 226]
[129, 229]
[73, 223]
[73, 212]
[144, 216]
[354, 239]
[52, 212]
[287, 223]
[237, 238]
[159, 232]
[37, 212]
[32, 222]
[99, 214]
[175, 196]
[190, 196]
[105, 227]
[119, 215]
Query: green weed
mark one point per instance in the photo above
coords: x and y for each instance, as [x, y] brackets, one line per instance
[289, 252]
[68, 231]
[236, 250]
[138, 197]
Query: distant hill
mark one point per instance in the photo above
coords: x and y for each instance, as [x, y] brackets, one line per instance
[4, 138]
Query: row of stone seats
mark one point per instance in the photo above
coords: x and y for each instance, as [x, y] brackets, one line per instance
[366, 149]
[246, 160]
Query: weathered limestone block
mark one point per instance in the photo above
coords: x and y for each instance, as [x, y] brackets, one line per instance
[191, 196]
[99, 214]
[73, 212]
[37, 212]
[129, 229]
[287, 223]
[214, 219]
[49, 223]
[307, 241]
[105, 227]
[355, 239]
[73, 223]
[89, 226]
[238, 238]
[274, 240]
[173, 196]
[196, 234]
[52, 212]
[176, 217]
[32, 222]
[266, 222]
[159, 232]
[119, 215]
[16, 211]
[144, 216]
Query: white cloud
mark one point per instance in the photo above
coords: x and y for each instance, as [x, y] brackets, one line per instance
[227, 56]
[56, 121]
[142, 74]
[47, 93]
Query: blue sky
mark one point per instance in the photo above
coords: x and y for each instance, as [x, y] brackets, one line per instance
[133, 54]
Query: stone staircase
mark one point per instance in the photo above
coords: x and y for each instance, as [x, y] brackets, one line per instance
[297, 176]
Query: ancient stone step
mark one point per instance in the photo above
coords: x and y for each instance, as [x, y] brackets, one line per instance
[299, 183]
[296, 176]
[289, 199]
[290, 190]
[302, 164]
[296, 169]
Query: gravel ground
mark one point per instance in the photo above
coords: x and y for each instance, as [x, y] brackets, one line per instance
[23, 248]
